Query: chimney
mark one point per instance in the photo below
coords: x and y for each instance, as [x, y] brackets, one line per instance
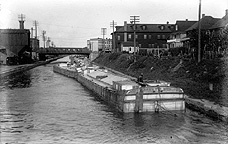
[167, 22]
[186, 20]
[21, 18]
[226, 11]
[203, 15]
[125, 31]
[32, 32]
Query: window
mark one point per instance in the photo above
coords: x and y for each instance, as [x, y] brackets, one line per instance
[129, 36]
[157, 46]
[149, 45]
[163, 36]
[164, 45]
[144, 27]
[145, 36]
[149, 36]
[136, 36]
[118, 37]
[162, 27]
[140, 45]
[158, 37]
[152, 45]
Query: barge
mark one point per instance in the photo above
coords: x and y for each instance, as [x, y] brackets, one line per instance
[124, 93]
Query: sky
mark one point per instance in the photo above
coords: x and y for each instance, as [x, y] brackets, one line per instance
[70, 23]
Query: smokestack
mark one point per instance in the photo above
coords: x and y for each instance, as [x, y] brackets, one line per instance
[32, 32]
[203, 15]
[125, 31]
[21, 18]
[226, 11]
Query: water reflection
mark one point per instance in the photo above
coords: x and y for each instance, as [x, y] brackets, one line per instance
[21, 80]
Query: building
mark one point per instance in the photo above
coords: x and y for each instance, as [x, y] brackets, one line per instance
[219, 32]
[150, 38]
[177, 38]
[99, 44]
[206, 23]
[16, 43]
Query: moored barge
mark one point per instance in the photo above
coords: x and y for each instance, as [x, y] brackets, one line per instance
[124, 93]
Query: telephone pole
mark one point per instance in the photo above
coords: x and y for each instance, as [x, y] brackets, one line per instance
[199, 35]
[103, 32]
[43, 34]
[35, 23]
[113, 24]
[134, 19]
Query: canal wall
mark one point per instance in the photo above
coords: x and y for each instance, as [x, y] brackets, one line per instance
[208, 108]
[25, 68]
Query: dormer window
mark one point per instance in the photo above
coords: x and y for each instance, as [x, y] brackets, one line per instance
[144, 27]
[176, 27]
[162, 27]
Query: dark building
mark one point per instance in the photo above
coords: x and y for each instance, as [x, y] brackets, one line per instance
[150, 38]
[17, 45]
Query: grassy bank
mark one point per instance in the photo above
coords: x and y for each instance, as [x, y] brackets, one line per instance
[193, 78]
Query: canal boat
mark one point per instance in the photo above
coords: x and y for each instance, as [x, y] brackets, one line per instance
[127, 94]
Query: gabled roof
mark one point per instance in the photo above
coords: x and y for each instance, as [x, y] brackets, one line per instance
[147, 28]
[206, 23]
[221, 23]
[184, 25]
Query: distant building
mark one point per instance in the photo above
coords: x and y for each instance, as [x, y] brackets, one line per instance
[99, 44]
[150, 38]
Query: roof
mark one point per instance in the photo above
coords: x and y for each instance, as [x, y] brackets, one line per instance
[206, 23]
[184, 25]
[147, 28]
[14, 31]
[221, 23]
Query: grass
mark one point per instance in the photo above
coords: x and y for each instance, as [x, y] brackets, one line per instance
[193, 78]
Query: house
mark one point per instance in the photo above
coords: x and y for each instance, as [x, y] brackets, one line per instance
[219, 33]
[206, 23]
[177, 38]
[150, 38]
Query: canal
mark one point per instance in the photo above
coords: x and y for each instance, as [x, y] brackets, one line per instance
[40, 106]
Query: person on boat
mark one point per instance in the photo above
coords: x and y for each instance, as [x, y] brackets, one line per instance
[140, 78]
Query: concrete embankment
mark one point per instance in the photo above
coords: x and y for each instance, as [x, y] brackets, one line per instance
[208, 108]
[25, 67]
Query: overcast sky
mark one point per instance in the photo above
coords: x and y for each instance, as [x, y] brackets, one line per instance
[72, 22]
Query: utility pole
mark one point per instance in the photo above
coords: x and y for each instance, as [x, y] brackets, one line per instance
[43, 34]
[21, 19]
[35, 23]
[134, 19]
[199, 35]
[113, 24]
[103, 32]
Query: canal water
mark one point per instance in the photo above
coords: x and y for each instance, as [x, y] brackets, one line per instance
[43, 107]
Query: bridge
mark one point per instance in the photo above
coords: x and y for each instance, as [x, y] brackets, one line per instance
[62, 51]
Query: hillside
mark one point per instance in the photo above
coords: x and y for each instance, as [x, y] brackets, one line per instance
[193, 78]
